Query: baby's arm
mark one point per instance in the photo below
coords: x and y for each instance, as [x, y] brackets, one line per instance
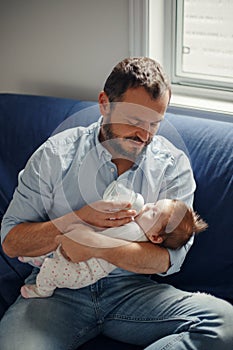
[130, 232]
[110, 237]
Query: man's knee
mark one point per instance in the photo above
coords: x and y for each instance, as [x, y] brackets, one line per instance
[216, 321]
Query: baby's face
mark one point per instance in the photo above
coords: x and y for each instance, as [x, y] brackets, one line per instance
[154, 217]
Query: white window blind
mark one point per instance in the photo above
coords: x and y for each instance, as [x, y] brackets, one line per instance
[204, 43]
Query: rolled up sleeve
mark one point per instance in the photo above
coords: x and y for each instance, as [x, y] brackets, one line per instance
[177, 257]
[33, 195]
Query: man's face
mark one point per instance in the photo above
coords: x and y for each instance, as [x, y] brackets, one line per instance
[129, 126]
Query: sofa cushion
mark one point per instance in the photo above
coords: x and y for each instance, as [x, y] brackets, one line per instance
[209, 264]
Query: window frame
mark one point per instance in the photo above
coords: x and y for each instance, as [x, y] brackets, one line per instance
[160, 45]
[179, 77]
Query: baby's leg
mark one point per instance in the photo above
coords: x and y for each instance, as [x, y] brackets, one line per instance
[31, 291]
[45, 281]
[36, 261]
[55, 272]
[79, 275]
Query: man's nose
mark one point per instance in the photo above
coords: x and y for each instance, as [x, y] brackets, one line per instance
[143, 134]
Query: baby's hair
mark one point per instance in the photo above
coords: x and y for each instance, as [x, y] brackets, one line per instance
[189, 224]
[198, 224]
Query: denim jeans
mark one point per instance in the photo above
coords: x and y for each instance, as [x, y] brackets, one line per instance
[132, 309]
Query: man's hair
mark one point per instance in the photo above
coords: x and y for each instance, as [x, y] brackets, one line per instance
[190, 224]
[136, 72]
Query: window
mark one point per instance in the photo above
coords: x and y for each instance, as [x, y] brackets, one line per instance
[193, 40]
[203, 52]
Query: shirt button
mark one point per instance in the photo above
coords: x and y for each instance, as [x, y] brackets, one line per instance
[112, 170]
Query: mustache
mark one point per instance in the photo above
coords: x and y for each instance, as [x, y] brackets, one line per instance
[134, 138]
[137, 139]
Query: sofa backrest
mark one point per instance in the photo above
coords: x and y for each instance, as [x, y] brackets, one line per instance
[209, 265]
[26, 121]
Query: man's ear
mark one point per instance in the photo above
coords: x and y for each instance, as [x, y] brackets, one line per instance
[156, 239]
[104, 103]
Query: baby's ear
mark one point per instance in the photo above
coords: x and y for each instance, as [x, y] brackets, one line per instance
[156, 239]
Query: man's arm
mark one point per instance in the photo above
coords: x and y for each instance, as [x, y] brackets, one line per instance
[132, 256]
[34, 239]
[138, 257]
[31, 239]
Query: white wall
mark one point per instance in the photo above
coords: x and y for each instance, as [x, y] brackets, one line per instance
[61, 47]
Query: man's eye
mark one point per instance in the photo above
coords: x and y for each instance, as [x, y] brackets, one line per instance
[140, 123]
[154, 125]
[134, 122]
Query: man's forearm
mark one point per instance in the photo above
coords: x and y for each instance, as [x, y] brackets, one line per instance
[31, 239]
[133, 256]
[140, 258]
[36, 238]
[137, 257]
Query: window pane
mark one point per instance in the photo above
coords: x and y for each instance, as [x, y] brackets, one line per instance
[205, 41]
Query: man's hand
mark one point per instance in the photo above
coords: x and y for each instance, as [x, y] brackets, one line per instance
[74, 251]
[99, 214]
[106, 213]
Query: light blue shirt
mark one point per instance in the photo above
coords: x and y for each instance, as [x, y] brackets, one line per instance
[72, 168]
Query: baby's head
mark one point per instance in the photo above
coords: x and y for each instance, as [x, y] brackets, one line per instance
[176, 223]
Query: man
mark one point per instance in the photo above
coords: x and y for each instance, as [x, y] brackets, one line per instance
[63, 183]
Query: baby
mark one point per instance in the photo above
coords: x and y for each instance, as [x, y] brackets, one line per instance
[168, 222]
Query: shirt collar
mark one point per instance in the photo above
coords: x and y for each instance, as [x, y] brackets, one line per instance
[100, 149]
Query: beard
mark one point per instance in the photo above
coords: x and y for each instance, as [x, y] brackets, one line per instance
[116, 143]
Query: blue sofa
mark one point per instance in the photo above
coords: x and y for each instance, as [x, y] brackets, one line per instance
[26, 121]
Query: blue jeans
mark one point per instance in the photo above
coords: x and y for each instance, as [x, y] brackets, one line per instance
[133, 309]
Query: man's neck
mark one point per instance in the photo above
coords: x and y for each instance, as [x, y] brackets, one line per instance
[122, 165]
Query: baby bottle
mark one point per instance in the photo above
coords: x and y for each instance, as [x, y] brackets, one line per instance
[116, 191]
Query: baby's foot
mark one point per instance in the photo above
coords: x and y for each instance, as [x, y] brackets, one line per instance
[37, 262]
[24, 259]
[31, 291]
